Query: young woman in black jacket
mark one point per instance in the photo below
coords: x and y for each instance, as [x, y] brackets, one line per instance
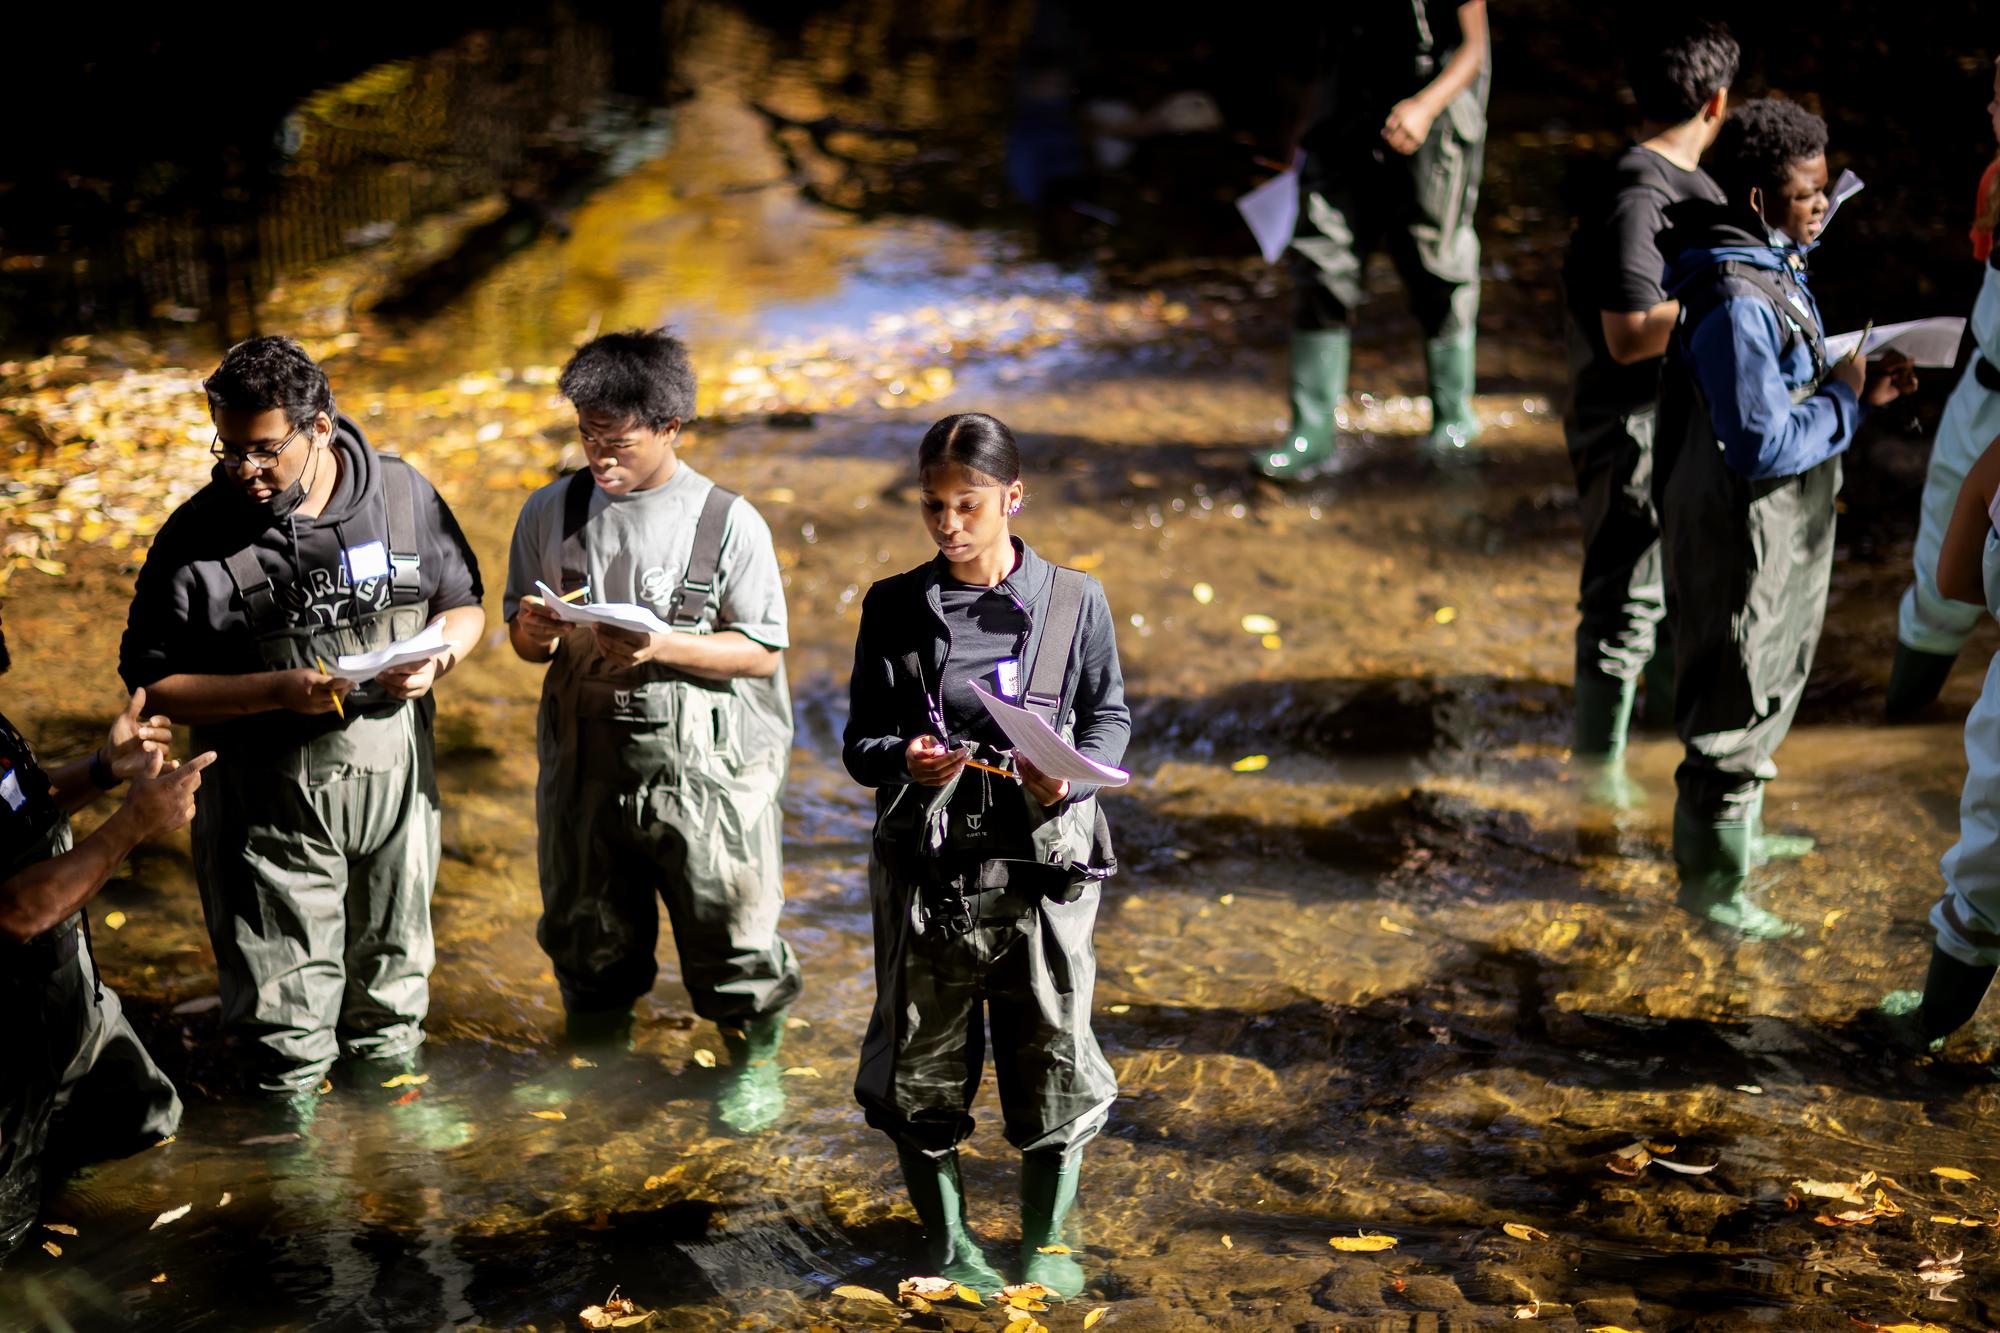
[985, 885]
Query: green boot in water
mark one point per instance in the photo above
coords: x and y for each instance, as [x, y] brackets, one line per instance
[1603, 716]
[1714, 865]
[1768, 847]
[1319, 379]
[1915, 679]
[1048, 1190]
[1454, 425]
[755, 1097]
[938, 1193]
[1951, 995]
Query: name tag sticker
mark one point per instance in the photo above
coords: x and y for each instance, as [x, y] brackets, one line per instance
[1009, 674]
[370, 560]
[10, 790]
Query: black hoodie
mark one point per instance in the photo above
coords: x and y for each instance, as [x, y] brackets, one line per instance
[186, 616]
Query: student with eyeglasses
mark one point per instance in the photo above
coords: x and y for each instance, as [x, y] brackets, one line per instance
[316, 834]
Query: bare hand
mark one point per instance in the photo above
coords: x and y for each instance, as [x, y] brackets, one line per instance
[930, 764]
[625, 648]
[303, 690]
[536, 624]
[1889, 379]
[412, 680]
[136, 744]
[1044, 789]
[1409, 124]
[1849, 371]
[165, 801]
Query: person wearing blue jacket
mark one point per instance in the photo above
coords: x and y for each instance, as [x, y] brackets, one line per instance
[1753, 420]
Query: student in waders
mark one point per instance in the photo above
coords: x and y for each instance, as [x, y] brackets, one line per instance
[1932, 627]
[76, 1085]
[316, 836]
[1966, 952]
[663, 755]
[985, 886]
[1751, 428]
[1394, 140]
[1619, 319]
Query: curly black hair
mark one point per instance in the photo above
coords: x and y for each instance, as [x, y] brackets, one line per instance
[1760, 143]
[1676, 64]
[640, 374]
[259, 374]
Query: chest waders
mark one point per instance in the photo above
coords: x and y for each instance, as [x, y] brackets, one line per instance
[1011, 937]
[1748, 564]
[655, 787]
[1930, 627]
[75, 1082]
[316, 838]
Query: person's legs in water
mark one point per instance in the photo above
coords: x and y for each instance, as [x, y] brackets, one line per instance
[1329, 253]
[1436, 251]
[920, 1066]
[1056, 1087]
[1621, 596]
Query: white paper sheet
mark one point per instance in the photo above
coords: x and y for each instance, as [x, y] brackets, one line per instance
[1272, 210]
[1844, 189]
[622, 615]
[1928, 342]
[1035, 741]
[364, 667]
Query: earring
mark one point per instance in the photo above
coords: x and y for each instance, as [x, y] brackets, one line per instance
[1014, 509]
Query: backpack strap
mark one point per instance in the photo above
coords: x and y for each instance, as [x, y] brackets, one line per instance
[253, 585]
[576, 512]
[1780, 288]
[704, 562]
[1059, 626]
[399, 495]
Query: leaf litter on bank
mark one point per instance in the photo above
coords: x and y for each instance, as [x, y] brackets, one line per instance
[1636, 1157]
[616, 1312]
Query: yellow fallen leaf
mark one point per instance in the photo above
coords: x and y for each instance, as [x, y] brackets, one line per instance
[1090, 1320]
[1226, 899]
[1532, 1310]
[1606, 1328]
[1064, 1249]
[60, 1228]
[969, 1296]
[158, 1278]
[1088, 562]
[55, 1250]
[654, 1182]
[1203, 594]
[705, 1058]
[1952, 1173]
[631, 1319]
[1251, 763]
[1227, 1243]
[408, 1081]
[1560, 934]
[1444, 615]
[114, 920]
[867, 1294]
[800, 1071]
[1905, 1328]
[1522, 1231]
[1395, 927]
[1117, 1008]
[1259, 625]
[1364, 1243]
[548, 1115]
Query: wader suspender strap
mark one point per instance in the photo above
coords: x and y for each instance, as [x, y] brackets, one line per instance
[704, 562]
[260, 604]
[404, 557]
[1779, 288]
[1059, 626]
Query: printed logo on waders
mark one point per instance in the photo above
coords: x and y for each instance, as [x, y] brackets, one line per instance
[621, 699]
[972, 822]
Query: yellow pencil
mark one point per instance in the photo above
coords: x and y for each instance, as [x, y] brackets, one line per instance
[340, 712]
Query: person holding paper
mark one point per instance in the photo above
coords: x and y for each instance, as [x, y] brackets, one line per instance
[316, 837]
[985, 884]
[1394, 142]
[663, 753]
[1931, 627]
[1752, 423]
[1619, 318]
[76, 1083]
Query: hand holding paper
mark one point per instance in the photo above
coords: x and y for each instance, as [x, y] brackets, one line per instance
[620, 615]
[420, 647]
[1037, 743]
[1927, 342]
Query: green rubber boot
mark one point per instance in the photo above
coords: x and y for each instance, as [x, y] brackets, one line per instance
[1766, 847]
[1915, 679]
[1048, 1191]
[1603, 716]
[1454, 425]
[1319, 380]
[1714, 865]
[755, 1097]
[938, 1192]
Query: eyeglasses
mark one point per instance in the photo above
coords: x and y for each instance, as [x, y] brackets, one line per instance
[262, 460]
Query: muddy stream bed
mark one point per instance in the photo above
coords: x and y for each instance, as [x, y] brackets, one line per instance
[1396, 979]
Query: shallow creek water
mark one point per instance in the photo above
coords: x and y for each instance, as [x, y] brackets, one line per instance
[1397, 980]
